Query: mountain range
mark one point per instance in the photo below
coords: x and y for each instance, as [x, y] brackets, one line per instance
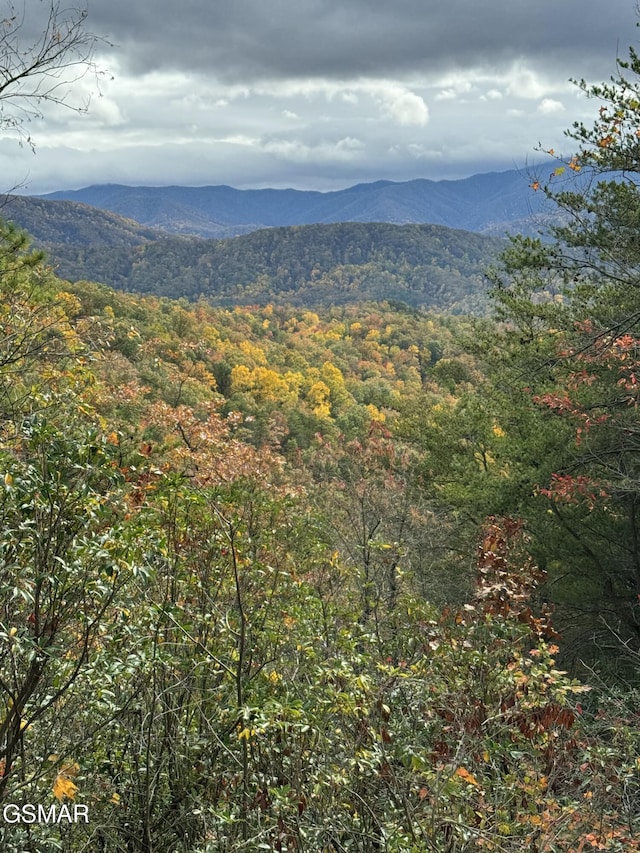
[492, 203]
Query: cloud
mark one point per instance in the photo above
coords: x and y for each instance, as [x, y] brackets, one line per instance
[400, 104]
[526, 82]
[548, 106]
[396, 102]
[299, 151]
[446, 95]
[248, 40]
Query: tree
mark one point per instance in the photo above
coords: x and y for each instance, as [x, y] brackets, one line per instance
[63, 564]
[36, 333]
[41, 54]
[572, 310]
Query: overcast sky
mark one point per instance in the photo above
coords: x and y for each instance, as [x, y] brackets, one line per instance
[321, 94]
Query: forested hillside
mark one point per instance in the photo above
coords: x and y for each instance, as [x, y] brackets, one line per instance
[65, 223]
[423, 265]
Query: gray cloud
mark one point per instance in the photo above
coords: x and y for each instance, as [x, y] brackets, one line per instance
[245, 40]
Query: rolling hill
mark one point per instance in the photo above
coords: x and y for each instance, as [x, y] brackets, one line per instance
[421, 265]
[64, 223]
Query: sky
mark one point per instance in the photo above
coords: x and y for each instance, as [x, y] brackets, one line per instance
[315, 94]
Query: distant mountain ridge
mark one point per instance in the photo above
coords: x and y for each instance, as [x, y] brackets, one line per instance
[492, 203]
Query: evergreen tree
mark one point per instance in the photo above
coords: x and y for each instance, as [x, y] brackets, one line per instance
[572, 312]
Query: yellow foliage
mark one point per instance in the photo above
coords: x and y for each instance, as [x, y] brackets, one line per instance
[64, 786]
[269, 385]
[375, 414]
[266, 384]
[241, 378]
[322, 411]
[318, 394]
[483, 459]
[70, 304]
[294, 380]
[255, 353]
[332, 375]
[246, 734]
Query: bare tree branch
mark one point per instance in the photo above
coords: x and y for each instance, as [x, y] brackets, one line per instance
[42, 53]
